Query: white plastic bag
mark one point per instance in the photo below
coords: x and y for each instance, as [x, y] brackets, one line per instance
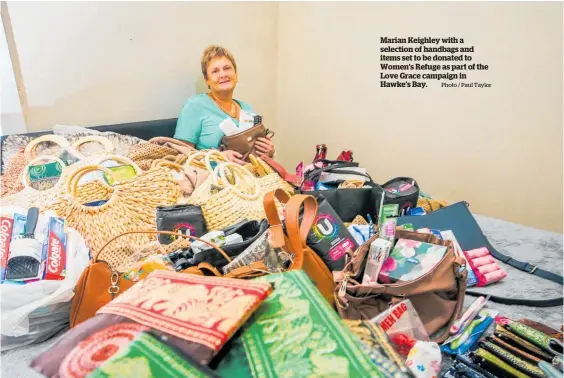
[32, 310]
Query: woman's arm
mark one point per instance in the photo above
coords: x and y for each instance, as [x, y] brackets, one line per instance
[188, 125]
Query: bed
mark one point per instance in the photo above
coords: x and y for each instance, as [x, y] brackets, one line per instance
[539, 247]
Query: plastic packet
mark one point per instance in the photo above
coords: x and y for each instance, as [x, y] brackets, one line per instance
[467, 338]
[403, 326]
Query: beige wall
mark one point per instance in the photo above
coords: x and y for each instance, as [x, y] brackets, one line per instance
[312, 69]
[92, 63]
[498, 148]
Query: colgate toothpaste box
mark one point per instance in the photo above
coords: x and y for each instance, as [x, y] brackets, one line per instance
[55, 252]
[6, 226]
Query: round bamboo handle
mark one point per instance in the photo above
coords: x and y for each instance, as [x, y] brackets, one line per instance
[192, 160]
[214, 155]
[214, 246]
[74, 178]
[31, 146]
[244, 175]
[122, 160]
[180, 159]
[25, 178]
[117, 158]
[166, 163]
[267, 168]
[105, 142]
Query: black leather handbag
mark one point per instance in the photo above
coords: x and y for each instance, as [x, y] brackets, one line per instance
[348, 202]
[249, 230]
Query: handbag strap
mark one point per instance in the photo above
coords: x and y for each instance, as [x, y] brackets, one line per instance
[163, 140]
[275, 230]
[316, 173]
[297, 232]
[151, 232]
[201, 268]
[279, 168]
[327, 161]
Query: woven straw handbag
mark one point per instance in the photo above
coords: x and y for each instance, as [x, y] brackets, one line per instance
[131, 206]
[30, 197]
[230, 194]
[12, 180]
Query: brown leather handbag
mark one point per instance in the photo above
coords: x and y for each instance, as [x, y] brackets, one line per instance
[437, 296]
[294, 240]
[244, 142]
[100, 282]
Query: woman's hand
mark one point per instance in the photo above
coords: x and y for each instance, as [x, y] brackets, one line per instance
[265, 146]
[234, 157]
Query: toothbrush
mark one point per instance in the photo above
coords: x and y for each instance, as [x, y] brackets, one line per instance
[470, 314]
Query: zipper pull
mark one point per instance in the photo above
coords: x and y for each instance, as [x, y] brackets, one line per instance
[343, 288]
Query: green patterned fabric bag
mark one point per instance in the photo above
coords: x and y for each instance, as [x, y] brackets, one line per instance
[147, 357]
[294, 333]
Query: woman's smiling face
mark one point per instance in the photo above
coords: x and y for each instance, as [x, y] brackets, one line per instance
[221, 75]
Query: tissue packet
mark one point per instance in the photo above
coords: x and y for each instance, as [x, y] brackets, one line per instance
[410, 259]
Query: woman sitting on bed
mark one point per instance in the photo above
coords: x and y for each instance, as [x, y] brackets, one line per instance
[198, 123]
